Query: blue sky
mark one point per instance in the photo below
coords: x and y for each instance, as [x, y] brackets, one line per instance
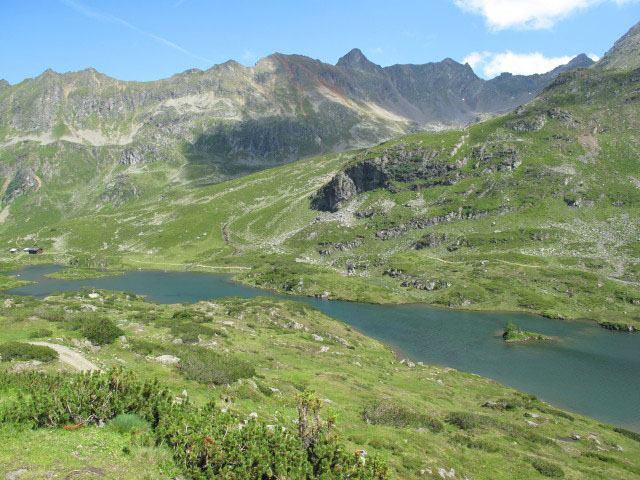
[138, 40]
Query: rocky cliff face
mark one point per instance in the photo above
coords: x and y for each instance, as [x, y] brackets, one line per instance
[419, 167]
[625, 53]
[231, 120]
[402, 167]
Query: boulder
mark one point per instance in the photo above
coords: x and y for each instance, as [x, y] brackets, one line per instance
[167, 359]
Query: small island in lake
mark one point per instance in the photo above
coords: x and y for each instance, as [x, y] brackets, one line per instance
[513, 334]
[81, 274]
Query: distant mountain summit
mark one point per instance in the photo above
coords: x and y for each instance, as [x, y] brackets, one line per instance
[231, 120]
[355, 60]
[625, 53]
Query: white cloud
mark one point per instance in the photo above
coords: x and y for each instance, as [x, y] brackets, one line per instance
[527, 14]
[476, 59]
[492, 64]
[593, 57]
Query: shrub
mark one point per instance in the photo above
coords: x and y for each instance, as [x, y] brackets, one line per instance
[24, 351]
[128, 422]
[206, 442]
[42, 333]
[205, 366]
[547, 469]
[90, 398]
[464, 420]
[389, 413]
[182, 315]
[51, 315]
[144, 347]
[190, 332]
[101, 331]
[475, 443]
[266, 391]
[628, 433]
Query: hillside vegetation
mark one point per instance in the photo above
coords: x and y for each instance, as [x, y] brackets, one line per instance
[258, 361]
[536, 210]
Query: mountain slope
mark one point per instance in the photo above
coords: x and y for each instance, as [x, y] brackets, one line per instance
[625, 54]
[536, 210]
[231, 120]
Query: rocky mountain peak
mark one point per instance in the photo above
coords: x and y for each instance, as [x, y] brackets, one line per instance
[625, 53]
[579, 61]
[48, 73]
[4, 84]
[355, 60]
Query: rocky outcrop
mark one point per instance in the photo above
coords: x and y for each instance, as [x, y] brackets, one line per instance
[23, 182]
[362, 177]
[422, 223]
[416, 168]
[431, 240]
[120, 190]
[625, 53]
[398, 164]
[326, 247]
[416, 282]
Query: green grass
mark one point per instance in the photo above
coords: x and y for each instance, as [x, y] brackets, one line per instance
[516, 244]
[81, 274]
[403, 414]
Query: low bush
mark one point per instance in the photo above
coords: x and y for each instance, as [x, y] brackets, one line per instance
[206, 443]
[465, 420]
[547, 469]
[266, 391]
[51, 315]
[390, 413]
[628, 433]
[189, 331]
[475, 443]
[84, 399]
[205, 366]
[144, 347]
[10, 351]
[42, 333]
[101, 331]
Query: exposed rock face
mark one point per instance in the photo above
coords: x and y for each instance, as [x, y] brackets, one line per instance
[431, 240]
[23, 181]
[412, 281]
[417, 167]
[625, 53]
[362, 177]
[284, 108]
[119, 191]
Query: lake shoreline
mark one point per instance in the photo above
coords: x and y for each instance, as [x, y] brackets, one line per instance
[607, 325]
[458, 339]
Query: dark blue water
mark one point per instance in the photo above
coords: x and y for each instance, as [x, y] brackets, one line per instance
[589, 370]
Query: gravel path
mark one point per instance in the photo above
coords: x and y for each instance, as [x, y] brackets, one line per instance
[70, 357]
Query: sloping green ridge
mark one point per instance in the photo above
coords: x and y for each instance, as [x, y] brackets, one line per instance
[554, 232]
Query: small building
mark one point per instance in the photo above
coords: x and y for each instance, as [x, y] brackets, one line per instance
[13, 250]
[33, 250]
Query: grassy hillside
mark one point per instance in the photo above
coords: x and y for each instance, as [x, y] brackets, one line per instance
[422, 420]
[537, 211]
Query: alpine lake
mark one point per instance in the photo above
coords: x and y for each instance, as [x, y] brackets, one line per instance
[586, 369]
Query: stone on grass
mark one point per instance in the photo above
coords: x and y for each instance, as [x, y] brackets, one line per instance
[167, 359]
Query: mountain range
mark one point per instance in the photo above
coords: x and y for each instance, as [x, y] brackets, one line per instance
[533, 210]
[231, 120]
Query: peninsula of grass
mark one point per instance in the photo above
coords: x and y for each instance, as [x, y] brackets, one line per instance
[512, 334]
[81, 274]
